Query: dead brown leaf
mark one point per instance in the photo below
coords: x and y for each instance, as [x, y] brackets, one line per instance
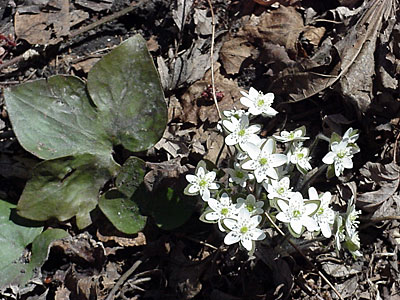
[233, 52]
[45, 27]
[95, 5]
[280, 27]
[86, 64]
[355, 62]
[385, 177]
[139, 240]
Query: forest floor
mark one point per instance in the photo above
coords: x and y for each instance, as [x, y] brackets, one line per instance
[282, 47]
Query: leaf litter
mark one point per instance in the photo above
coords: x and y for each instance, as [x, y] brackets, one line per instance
[342, 59]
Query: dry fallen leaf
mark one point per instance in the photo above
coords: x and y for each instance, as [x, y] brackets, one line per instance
[233, 52]
[281, 27]
[46, 27]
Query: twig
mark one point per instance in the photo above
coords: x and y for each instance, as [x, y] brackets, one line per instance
[123, 278]
[305, 257]
[212, 58]
[84, 29]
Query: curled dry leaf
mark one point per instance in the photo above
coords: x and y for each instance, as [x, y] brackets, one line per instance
[281, 27]
[386, 177]
[353, 58]
[234, 52]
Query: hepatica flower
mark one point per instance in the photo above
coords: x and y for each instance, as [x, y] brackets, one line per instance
[240, 132]
[220, 210]
[340, 156]
[291, 136]
[297, 213]
[325, 216]
[279, 188]
[258, 103]
[237, 175]
[298, 156]
[253, 206]
[201, 183]
[263, 160]
[244, 229]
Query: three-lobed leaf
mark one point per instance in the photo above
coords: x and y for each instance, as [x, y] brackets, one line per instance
[75, 127]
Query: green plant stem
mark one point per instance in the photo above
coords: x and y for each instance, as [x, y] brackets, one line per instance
[310, 180]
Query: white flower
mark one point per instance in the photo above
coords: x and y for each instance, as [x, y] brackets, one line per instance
[297, 213]
[351, 135]
[299, 157]
[325, 216]
[258, 103]
[279, 189]
[238, 175]
[263, 161]
[234, 113]
[202, 183]
[240, 132]
[254, 207]
[244, 229]
[224, 208]
[290, 136]
[351, 220]
[340, 156]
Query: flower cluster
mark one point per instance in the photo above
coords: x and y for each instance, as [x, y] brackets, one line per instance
[265, 178]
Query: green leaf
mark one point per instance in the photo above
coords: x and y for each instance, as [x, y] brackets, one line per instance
[122, 212]
[54, 118]
[13, 240]
[130, 176]
[64, 188]
[125, 87]
[74, 126]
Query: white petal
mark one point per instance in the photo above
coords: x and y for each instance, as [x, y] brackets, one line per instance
[325, 230]
[225, 200]
[268, 147]
[231, 139]
[244, 214]
[282, 217]
[253, 93]
[213, 186]
[230, 223]
[210, 176]
[278, 160]
[310, 208]
[310, 223]
[296, 225]
[257, 234]
[247, 243]
[260, 174]
[205, 195]
[212, 216]
[347, 163]
[282, 205]
[214, 204]
[270, 111]
[200, 172]
[254, 221]
[249, 165]
[253, 129]
[313, 194]
[246, 101]
[328, 158]
[232, 237]
[191, 178]
[253, 150]
[271, 172]
[193, 189]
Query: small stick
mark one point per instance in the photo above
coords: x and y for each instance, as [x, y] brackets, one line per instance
[305, 257]
[123, 278]
[212, 59]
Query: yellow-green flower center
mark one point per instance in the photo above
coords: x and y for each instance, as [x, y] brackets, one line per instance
[241, 132]
[224, 211]
[244, 229]
[260, 102]
[250, 207]
[300, 155]
[203, 183]
[341, 154]
[281, 190]
[296, 213]
[263, 161]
